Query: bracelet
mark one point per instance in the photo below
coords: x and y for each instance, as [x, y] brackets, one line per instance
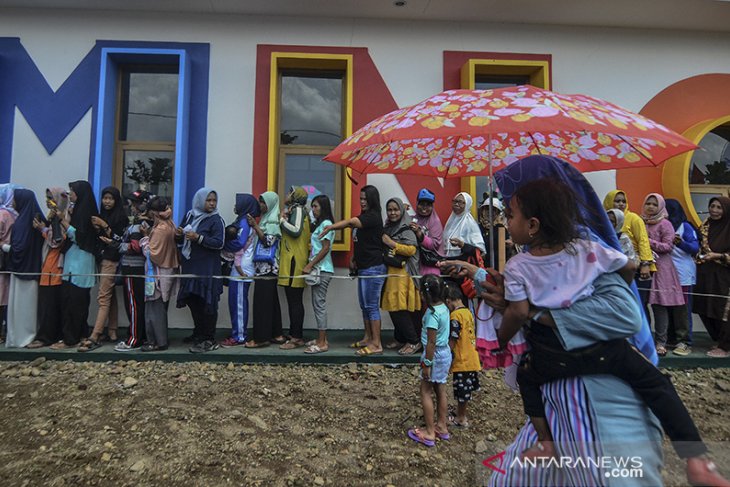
[426, 363]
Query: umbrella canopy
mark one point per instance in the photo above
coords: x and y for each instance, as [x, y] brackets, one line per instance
[457, 133]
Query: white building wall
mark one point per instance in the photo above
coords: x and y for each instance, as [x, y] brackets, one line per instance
[627, 67]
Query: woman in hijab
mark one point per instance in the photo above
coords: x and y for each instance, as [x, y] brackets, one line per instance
[161, 255]
[50, 300]
[293, 257]
[712, 293]
[400, 295]
[665, 296]
[110, 223]
[79, 263]
[202, 233]
[462, 236]
[616, 217]
[25, 259]
[266, 310]
[242, 248]
[7, 219]
[428, 229]
[635, 228]
[593, 414]
[686, 246]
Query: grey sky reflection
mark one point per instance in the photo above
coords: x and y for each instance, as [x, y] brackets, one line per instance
[311, 109]
[152, 106]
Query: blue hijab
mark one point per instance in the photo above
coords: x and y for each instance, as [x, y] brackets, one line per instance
[26, 243]
[530, 168]
[197, 215]
[7, 192]
[246, 204]
[676, 213]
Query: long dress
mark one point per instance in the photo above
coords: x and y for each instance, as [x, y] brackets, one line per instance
[7, 220]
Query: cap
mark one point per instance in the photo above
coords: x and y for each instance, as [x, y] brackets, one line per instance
[139, 196]
[426, 195]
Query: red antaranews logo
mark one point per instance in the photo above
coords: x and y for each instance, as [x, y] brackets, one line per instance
[497, 468]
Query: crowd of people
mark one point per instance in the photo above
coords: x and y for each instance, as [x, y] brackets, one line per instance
[579, 281]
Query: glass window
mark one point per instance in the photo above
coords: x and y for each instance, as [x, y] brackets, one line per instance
[709, 172]
[147, 113]
[488, 82]
[311, 108]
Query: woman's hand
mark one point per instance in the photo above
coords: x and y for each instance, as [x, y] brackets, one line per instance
[426, 373]
[458, 268]
[388, 241]
[457, 242]
[192, 236]
[144, 229]
[98, 222]
[178, 232]
[644, 271]
[494, 292]
[251, 221]
[104, 239]
[37, 224]
[417, 230]
[307, 268]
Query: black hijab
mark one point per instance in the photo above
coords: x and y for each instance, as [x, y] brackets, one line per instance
[84, 208]
[26, 243]
[116, 218]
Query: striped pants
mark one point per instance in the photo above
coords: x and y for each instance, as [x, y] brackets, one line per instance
[134, 304]
[238, 307]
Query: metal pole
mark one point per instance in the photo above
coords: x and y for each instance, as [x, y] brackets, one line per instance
[489, 199]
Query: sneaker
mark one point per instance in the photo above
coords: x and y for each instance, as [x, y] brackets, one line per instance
[202, 347]
[682, 349]
[231, 342]
[123, 347]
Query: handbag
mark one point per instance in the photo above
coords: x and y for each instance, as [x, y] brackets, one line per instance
[467, 285]
[226, 269]
[391, 259]
[264, 254]
[312, 279]
[429, 257]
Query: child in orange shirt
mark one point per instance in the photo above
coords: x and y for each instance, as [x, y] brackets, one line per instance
[465, 365]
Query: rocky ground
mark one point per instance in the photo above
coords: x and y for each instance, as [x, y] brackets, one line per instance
[177, 424]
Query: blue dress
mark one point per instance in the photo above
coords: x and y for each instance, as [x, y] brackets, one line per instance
[204, 260]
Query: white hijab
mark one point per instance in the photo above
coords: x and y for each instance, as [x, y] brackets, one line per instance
[463, 227]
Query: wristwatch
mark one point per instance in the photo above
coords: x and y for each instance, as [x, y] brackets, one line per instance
[426, 363]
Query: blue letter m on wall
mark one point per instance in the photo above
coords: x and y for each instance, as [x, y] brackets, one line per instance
[53, 115]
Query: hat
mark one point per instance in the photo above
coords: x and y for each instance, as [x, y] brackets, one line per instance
[495, 204]
[139, 196]
[426, 195]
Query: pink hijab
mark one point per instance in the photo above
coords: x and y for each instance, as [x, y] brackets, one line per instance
[661, 214]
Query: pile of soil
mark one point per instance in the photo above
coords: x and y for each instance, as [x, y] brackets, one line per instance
[172, 424]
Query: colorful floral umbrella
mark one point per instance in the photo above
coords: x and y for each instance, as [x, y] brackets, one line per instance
[457, 133]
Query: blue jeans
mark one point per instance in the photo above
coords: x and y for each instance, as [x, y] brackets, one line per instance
[368, 291]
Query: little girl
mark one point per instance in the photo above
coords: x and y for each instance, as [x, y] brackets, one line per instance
[556, 271]
[435, 362]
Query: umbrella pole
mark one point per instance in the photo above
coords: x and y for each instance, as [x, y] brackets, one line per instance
[489, 200]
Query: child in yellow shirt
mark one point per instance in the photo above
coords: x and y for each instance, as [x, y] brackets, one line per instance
[465, 364]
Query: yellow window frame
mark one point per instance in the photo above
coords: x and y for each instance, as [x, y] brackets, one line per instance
[537, 70]
[310, 60]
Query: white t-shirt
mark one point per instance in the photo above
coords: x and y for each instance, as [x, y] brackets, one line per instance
[559, 280]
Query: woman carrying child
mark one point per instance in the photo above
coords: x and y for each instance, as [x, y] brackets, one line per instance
[162, 262]
[435, 363]
[320, 258]
[400, 295]
[242, 248]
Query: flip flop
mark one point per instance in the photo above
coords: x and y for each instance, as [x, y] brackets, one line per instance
[253, 344]
[359, 344]
[89, 345]
[291, 344]
[718, 353]
[417, 435]
[457, 424]
[315, 349]
[366, 352]
[393, 345]
[443, 436]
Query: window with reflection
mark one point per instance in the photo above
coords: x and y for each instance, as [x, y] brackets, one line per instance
[709, 172]
[310, 126]
[146, 128]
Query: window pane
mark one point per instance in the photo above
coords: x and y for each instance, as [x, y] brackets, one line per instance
[489, 82]
[148, 170]
[712, 165]
[311, 108]
[701, 202]
[149, 107]
[317, 176]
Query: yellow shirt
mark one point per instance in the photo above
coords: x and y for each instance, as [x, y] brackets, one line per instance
[466, 358]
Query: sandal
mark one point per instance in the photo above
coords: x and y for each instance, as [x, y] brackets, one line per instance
[443, 436]
[410, 349]
[88, 345]
[417, 435]
[61, 345]
[292, 344]
[454, 422]
[35, 344]
[279, 341]
[316, 349]
[359, 344]
[366, 351]
[718, 353]
[393, 345]
[661, 351]
[253, 344]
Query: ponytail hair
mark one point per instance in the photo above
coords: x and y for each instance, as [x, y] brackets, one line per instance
[432, 290]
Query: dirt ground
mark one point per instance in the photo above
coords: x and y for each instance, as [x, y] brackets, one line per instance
[162, 424]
